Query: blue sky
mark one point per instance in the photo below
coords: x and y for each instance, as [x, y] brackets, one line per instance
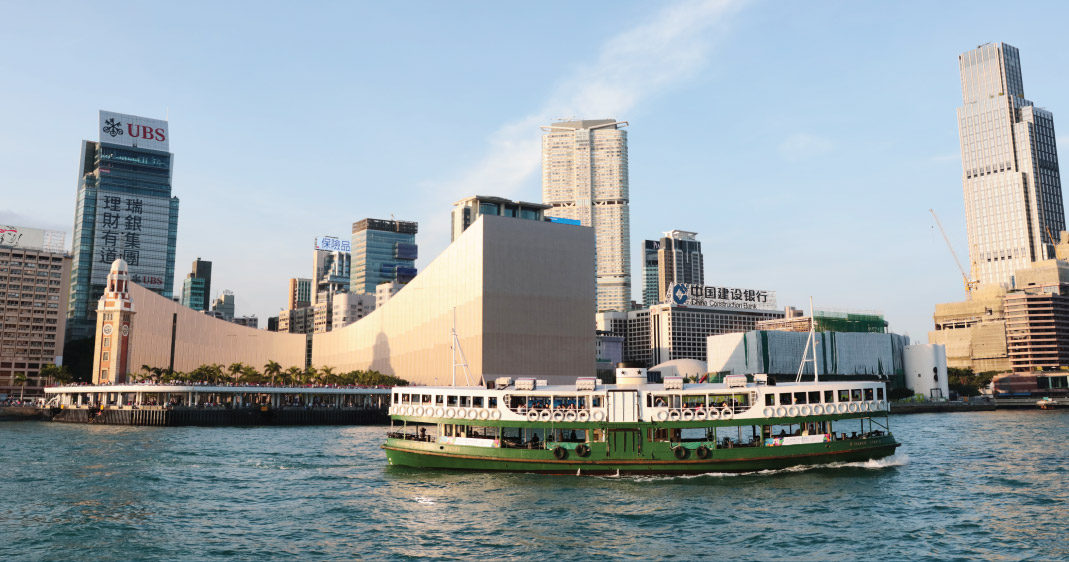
[803, 141]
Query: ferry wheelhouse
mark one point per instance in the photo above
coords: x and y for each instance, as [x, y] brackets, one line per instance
[745, 423]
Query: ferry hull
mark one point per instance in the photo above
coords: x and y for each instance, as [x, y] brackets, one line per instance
[431, 455]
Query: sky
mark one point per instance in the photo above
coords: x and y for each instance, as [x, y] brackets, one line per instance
[803, 141]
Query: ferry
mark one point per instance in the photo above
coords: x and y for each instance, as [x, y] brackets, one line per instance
[742, 423]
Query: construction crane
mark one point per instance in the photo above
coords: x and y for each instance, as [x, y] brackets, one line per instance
[969, 283]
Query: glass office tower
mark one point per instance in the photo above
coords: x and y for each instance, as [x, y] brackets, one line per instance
[1013, 192]
[124, 210]
[382, 251]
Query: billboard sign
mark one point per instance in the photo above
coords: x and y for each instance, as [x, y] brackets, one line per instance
[333, 244]
[686, 294]
[132, 228]
[134, 131]
[31, 238]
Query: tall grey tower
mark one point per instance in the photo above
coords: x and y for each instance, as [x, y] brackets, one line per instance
[1013, 193]
[681, 261]
[584, 178]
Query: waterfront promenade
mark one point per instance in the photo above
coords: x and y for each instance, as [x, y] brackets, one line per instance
[206, 404]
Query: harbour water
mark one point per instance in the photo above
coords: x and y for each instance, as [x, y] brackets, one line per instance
[965, 486]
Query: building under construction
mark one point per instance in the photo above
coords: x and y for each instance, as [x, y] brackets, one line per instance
[827, 321]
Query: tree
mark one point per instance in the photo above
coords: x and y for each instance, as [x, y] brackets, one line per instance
[235, 370]
[291, 375]
[310, 375]
[326, 375]
[20, 378]
[55, 374]
[272, 369]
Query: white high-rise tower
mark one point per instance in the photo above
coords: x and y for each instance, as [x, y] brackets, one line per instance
[1013, 193]
[584, 178]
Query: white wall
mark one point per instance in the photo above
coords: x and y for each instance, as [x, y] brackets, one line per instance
[926, 370]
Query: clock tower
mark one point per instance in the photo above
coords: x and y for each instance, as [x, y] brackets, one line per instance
[115, 313]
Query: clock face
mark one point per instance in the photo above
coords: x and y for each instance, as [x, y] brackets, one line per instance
[107, 329]
[126, 330]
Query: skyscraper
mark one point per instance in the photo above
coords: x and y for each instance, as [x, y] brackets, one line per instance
[197, 287]
[680, 258]
[650, 290]
[124, 210]
[330, 269]
[382, 251]
[584, 178]
[1013, 193]
[300, 293]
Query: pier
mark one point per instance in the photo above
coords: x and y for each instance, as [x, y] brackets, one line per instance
[206, 405]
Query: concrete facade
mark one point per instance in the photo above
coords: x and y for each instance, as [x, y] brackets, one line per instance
[520, 293]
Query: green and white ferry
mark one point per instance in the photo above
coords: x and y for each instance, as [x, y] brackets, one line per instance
[744, 423]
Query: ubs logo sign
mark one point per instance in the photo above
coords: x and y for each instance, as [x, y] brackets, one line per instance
[112, 128]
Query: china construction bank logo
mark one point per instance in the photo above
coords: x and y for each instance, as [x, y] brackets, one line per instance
[112, 128]
[679, 294]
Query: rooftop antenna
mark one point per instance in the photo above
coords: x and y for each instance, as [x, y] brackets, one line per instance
[810, 342]
[456, 347]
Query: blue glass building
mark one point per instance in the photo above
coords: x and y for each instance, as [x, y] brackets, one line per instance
[383, 251]
[124, 210]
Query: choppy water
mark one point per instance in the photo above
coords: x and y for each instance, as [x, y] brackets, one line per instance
[977, 486]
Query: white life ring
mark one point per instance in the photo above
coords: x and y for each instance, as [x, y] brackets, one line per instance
[879, 404]
[544, 415]
[532, 415]
[792, 411]
[483, 414]
[687, 415]
[598, 415]
[700, 414]
[558, 416]
[866, 406]
[781, 411]
[673, 415]
[726, 414]
[496, 414]
[417, 410]
[716, 414]
[583, 416]
[842, 407]
[472, 414]
[462, 413]
[438, 412]
[854, 407]
[769, 411]
[804, 410]
[569, 416]
[450, 413]
[818, 409]
[662, 415]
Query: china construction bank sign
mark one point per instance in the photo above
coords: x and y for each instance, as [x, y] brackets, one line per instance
[134, 131]
[686, 294]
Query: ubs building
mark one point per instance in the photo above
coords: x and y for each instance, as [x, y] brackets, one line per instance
[124, 210]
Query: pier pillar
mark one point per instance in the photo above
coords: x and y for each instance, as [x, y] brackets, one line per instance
[79, 399]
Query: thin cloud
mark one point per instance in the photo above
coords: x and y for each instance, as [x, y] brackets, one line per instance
[801, 146]
[630, 67]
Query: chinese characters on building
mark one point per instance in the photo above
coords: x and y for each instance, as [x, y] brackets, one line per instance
[333, 244]
[122, 234]
[724, 297]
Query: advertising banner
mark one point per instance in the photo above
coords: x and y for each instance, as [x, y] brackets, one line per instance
[133, 228]
[134, 131]
[21, 237]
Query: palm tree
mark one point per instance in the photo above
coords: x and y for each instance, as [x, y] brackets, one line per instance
[272, 369]
[326, 375]
[20, 378]
[235, 370]
[310, 375]
[291, 375]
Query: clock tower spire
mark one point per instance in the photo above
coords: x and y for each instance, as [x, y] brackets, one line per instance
[115, 313]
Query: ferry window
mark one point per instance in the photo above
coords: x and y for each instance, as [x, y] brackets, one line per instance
[477, 401]
[426, 398]
[844, 395]
[800, 398]
[659, 434]
[439, 399]
[785, 399]
[829, 396]
[693, 401]
[675, 400]
[770, 400]
[879, 393]
[582, 402]
[570, 435]
[868, 394]
[596, 401]
[465, 401]
[492, 402]
[855, 395]
[660, 402]
[597, 435]
[451, 401]
[814, 397]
